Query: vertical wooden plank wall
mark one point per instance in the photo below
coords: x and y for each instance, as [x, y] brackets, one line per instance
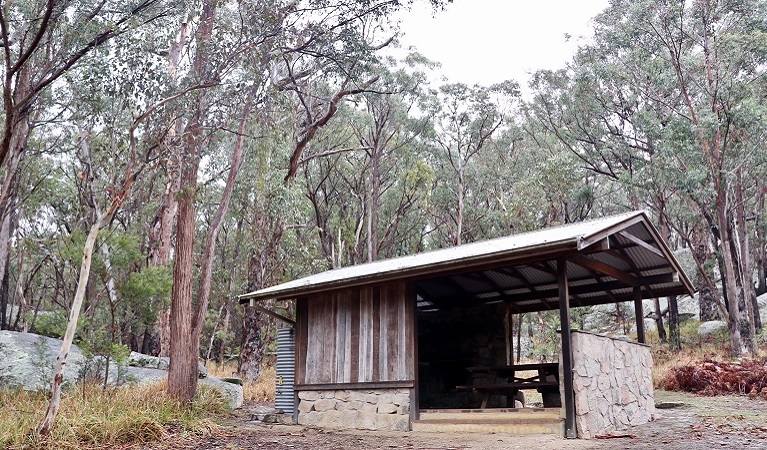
[358, 335]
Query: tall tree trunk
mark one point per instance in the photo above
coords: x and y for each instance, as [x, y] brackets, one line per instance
[373, 202]
[735, 318]
[102, 220]
[61, 360]
[5, 242]
[224, 332]
[744, 254]
[182, 373]
[251, 348]
[761, 240]
[186, 325]
[161, 232]
[184, 350]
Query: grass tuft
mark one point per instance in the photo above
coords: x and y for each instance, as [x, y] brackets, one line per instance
[92, 418]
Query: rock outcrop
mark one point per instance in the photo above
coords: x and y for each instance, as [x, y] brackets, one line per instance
[26, 362]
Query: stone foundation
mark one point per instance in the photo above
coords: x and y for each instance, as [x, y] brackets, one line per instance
[612, 380]
[368, 409]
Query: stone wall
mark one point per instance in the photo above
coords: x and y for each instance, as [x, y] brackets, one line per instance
[368, 409]
[612, 380]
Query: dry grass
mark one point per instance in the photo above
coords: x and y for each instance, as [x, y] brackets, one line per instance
[92, 418]
[262, 391]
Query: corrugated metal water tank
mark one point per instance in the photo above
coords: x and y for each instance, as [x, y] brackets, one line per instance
[286, 359]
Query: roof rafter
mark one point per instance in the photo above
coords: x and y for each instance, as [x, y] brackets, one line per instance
[603, 268]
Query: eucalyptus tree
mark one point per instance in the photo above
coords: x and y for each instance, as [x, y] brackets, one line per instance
[466, 121]
[272, 241]
[366, 178]
[279, 48]
[668, 92]
[41, 43]
[389, 135]
[106, 184]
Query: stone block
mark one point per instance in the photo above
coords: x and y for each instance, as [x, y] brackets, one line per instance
[305, 406]
[591, 367]
[343, 396]
[311, 418]
[309, 395]
[402, 425]
[369, 408]
[632, 409]
[328, 394]
[330, 419]
[354, 405]
[349, 418]
[401, 399]
[385, 397]
[366, 421]
[324, 404]
[372, 398]
[387, 408]
[386, 421]
[404, 410]
[357, 396]
[603, 382]
[626, 395]
[581, 404]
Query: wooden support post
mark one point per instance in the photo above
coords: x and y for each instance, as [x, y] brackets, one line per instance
[508, 326]
[639, 313]
[567, 352]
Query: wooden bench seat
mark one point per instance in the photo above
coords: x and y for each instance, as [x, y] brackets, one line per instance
[511, 389]
[508, 387]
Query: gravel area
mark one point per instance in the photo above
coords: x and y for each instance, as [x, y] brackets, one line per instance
[696, 423]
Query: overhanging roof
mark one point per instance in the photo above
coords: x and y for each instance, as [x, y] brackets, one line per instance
[606, 257]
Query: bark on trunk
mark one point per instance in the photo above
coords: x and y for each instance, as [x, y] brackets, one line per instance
[184, 348]
[747, 270]
[182, 373]
[161, 233]
[251, 353]
[729, 276]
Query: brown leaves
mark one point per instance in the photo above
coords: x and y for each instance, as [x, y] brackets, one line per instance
[709, 377]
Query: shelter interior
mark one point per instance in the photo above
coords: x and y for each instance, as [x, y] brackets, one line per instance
[463, 319]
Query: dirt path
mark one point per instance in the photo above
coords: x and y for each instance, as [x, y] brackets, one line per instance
[703, 423]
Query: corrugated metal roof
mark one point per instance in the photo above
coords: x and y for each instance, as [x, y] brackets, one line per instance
[438, 269]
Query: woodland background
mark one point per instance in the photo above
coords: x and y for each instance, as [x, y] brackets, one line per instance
[205, 149]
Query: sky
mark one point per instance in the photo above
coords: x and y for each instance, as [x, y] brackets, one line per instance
[488, 41]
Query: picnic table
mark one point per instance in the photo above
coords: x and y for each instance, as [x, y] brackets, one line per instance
[505, 380]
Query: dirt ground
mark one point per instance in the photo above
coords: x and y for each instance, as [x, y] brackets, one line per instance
[702, 423]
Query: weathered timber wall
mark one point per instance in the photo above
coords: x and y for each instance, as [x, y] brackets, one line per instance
[356, 335]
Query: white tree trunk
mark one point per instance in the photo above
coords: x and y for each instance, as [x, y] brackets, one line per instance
[61, 360]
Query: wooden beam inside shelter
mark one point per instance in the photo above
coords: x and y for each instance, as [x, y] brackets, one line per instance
[604, 268]
[643, 244]
[567, 355]
[639, 313]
